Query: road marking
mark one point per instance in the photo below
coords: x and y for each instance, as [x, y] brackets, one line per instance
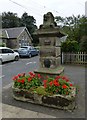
[7, 86]
[2, 76]
[30, 63]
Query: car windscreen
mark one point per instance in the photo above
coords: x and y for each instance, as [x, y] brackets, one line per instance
[25, 47]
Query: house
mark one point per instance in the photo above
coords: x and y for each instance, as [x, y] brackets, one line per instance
[15, 37]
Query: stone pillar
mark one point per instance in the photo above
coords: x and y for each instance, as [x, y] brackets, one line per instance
[50, 47]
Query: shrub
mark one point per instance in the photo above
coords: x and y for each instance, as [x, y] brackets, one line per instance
[83, 44]
[70, 46]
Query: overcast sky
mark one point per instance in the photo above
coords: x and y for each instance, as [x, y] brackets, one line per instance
[38, 8]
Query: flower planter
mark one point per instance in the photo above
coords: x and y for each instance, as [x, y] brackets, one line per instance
[66, 102]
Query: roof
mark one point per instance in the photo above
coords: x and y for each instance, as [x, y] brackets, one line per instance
[13, 32]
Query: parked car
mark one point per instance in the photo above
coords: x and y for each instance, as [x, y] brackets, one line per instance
[7, 54]
[28, 51]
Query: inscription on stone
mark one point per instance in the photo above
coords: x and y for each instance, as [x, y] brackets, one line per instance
[47, 42]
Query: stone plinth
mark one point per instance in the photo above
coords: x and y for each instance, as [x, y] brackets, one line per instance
[50, 72]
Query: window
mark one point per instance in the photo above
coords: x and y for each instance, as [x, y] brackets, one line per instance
[7, 51]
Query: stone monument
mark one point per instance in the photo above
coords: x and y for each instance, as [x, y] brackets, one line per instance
[50, 47]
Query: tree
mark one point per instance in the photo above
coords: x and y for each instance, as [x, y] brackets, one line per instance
[83, 44]
[29, 22]
[10, 20]
[75, 27]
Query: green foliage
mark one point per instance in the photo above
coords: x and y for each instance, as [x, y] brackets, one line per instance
[29, 22]
[70, 46]
[83, 44]
[74, 26]
[10, 20]
[41, 90]
[2, 45]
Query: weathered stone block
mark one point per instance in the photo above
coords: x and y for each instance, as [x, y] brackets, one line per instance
[49, 72]
[66, 102]
[54, 61]
[50, 51]
[49, 41]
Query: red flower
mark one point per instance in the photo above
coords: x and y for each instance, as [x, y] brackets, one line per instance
[51, 83]
[22, 81]
[64, 86]
[58, 77]
[29, 79]
[56, 83]
[71, 84]
[45, 85]
[19, 80]
[39, 76]
[19, 75]
[44, 81]
[31, 73]
[15, 77]
[67, 80]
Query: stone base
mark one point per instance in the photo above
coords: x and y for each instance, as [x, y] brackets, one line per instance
[65, 102]
[50, 72]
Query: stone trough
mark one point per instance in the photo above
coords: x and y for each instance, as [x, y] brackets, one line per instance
[65, 102]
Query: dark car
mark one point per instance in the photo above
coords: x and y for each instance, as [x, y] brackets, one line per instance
[27, 51]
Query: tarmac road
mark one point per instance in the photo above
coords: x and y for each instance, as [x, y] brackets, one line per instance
[16, 109]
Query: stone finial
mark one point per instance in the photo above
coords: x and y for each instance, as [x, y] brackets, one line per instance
[48, 20]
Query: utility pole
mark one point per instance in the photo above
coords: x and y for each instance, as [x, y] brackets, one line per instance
[86, 8]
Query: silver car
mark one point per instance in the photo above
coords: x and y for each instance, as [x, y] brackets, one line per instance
[27, 51]
[7, 54]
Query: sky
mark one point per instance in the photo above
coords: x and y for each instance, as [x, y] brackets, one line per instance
[37, 8]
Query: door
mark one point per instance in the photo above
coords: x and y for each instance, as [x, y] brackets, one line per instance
[10, 53]
[4, 55]
[7, 55]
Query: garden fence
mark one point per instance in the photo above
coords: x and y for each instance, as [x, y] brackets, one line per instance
[74, 58]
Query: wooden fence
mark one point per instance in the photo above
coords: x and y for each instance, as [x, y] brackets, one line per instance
[74, 58]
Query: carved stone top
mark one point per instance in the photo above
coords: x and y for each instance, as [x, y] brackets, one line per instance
[48, 20]
[49, 27]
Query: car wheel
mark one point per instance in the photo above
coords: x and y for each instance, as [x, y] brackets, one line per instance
[16, 58]
[30, 55]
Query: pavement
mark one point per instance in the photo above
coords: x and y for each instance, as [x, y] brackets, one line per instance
[17, 109]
